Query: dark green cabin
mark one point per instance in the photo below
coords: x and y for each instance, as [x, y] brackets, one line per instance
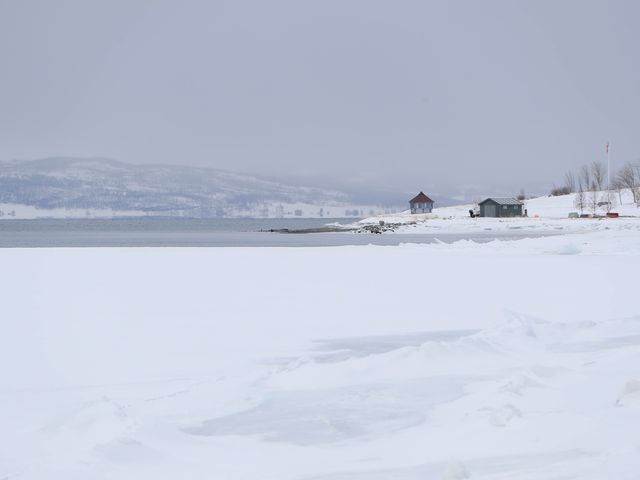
[501, 207]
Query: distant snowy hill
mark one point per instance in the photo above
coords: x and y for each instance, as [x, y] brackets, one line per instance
[99, 187]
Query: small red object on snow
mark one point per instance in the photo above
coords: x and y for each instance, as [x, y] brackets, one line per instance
[612, 214]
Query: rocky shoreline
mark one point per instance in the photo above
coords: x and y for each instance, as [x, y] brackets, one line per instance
[325, 229]
[382, 227]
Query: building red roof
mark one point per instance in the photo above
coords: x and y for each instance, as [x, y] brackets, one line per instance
[421, 198]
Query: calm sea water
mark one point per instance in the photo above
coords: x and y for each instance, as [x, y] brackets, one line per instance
[187, 232]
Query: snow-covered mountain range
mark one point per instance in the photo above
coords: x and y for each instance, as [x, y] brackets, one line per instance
[87, 187]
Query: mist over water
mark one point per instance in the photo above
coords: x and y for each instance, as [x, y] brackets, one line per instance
[367, 96]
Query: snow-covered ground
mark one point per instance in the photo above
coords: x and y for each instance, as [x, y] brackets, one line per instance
[545, 215]
[503, 360]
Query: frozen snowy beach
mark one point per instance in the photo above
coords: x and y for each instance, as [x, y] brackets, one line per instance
[210, 268]
[502, 360]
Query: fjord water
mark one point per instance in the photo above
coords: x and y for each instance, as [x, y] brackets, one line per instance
[192, 232]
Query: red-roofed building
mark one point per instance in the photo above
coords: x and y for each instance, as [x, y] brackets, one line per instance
[421, 204]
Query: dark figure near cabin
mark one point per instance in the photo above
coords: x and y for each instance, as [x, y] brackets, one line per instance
[471, 213]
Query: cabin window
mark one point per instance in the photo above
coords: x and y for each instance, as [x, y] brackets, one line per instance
[504, 207]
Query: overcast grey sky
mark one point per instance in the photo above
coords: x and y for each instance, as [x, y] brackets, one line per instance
[405, 91]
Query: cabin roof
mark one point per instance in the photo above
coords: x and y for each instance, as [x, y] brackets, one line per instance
[421, 198]
[502, 201]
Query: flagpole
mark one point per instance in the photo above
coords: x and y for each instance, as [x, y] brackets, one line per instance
[608, 165]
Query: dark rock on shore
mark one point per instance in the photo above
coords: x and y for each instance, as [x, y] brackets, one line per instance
[381, 228]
